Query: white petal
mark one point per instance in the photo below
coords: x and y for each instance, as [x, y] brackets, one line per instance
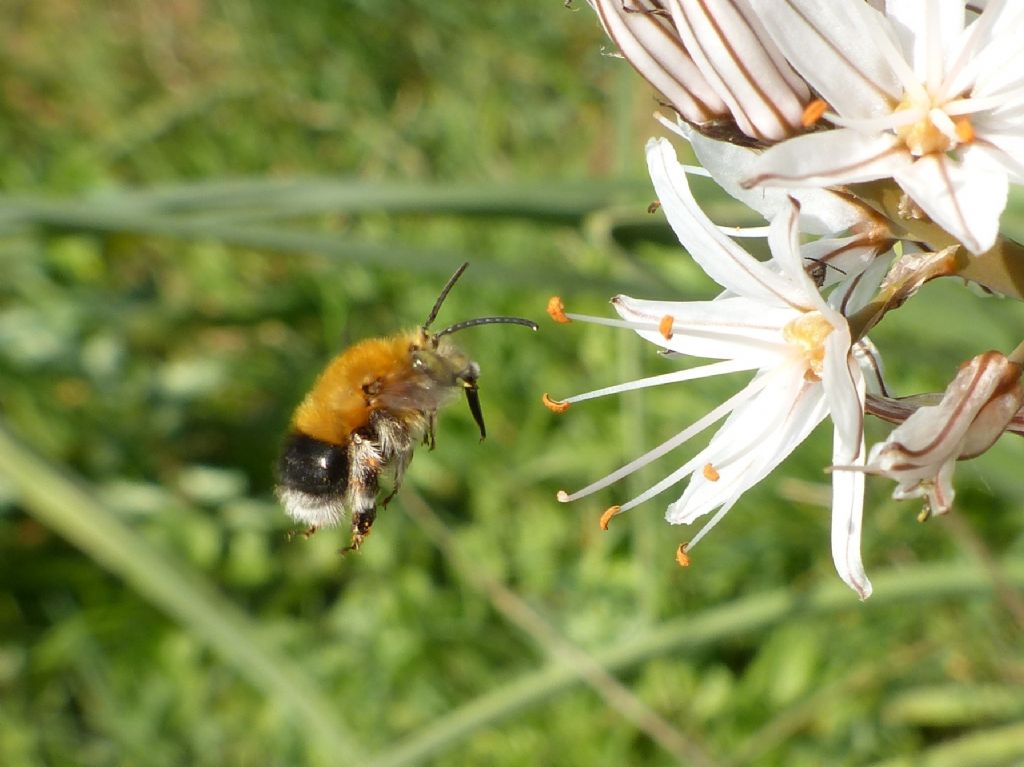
[841, 156]
[844, 388]
[784, 243]
[728, 328]
[733, 52]
[991, 48]
[721, 258]
[965, 198]
[855, 291]
[840, 48]
[842, 258]
[929, 31]
[1005, 150]
[755, 439]
[822, 211]
[869, 360]
[847, 513]
[649, 42]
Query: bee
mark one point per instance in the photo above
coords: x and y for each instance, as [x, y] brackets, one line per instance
[364, 416]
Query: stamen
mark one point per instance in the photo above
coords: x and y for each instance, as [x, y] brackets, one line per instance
[964, 129]
[711, 473]
[714, 521]
[813, 112]
[606, 518]
[807, 333]
[770, 426]
[556, 310]
[555, 406]
[925, 513]
[664, 484]
[654, 206]
[670, 444]
[682, 557]
[665, 326]
[704, 371]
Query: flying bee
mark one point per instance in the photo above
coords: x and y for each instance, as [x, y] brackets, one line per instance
[366, 413]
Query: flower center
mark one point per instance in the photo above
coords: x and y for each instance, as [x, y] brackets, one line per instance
[936, 131]
[807, 333]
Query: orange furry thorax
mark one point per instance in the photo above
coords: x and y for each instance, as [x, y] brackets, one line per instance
[348, 389]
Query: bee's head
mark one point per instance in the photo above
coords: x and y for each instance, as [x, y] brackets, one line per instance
[466, 371]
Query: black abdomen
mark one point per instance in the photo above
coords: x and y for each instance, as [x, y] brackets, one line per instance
[312, 466]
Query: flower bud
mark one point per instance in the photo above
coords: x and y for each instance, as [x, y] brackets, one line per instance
[975, 409]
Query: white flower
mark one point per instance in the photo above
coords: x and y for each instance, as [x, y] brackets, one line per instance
[975, 410]
[918, 96]
[772, 320]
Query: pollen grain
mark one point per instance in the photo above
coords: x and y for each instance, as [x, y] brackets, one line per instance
[964, 129]
[556, 310]
[665, 326]
[682, 557]
[813, 112]
[606, 518]
[554, 405]
[711, 473]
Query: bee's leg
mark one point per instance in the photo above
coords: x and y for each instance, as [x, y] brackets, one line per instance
[365, 464]
[304, 533]
[390, 496]
[402, 461]
[428, 437]
[397, 442]
[361, 523]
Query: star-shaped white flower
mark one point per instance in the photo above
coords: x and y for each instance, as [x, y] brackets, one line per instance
[917, 95]
[771, 319]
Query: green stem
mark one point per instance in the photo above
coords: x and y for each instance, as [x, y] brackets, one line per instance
[1001, 268]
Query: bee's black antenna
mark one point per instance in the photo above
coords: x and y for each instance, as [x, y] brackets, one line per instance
[486, 321]
[444, 294]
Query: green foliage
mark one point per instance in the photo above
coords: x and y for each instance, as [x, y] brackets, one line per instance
[206, 201]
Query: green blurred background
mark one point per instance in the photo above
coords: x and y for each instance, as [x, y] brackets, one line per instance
[201, 203]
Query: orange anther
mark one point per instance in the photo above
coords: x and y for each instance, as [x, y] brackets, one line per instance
[610, 512]
[556, 310]
[653, 207]
[554, 405]
[665, 326]
[813, 112]
[711, 473]
[964, 129]
[682, 558]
